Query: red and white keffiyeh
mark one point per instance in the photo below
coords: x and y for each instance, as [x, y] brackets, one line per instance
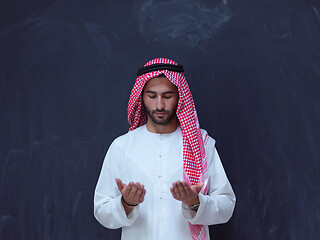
[194, 161]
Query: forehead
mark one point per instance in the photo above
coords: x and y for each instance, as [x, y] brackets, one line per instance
[160, 84]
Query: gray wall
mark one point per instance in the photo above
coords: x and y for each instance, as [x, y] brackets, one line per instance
[66, 71]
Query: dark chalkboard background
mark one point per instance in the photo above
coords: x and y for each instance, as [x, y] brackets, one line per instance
[66, 71]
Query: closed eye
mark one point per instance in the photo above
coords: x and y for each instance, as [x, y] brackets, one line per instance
[167, 96]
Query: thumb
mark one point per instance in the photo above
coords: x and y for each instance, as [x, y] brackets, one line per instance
[119, 184]
[198, 187]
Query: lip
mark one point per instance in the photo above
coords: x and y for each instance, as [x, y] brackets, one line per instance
[160, 114]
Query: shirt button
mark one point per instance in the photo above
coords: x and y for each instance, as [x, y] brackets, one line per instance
[159, 176]
[160, 156]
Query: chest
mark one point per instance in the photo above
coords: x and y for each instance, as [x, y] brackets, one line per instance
[152, 159]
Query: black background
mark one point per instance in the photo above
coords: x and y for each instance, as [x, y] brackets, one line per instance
[66, 71]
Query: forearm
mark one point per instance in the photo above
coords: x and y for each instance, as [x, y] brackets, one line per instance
[213, 209]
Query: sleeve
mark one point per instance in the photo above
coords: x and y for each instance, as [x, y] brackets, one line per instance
[108, 208]
[217, 206]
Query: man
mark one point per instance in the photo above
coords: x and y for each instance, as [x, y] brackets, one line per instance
[164, 178]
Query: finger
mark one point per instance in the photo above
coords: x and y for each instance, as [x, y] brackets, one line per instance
[134, 190]
[127, 189]
[119, 184]
[186, 186]
[139, 191]
[173, 193]
[176, 189]
[181, 189]
[141, 198]
[198, 187]
[176, 185]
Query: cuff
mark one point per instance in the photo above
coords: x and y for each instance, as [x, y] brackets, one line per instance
[191, 215]
[129, 219]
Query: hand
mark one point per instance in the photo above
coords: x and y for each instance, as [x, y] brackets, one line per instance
[133, 193]
[183, 192]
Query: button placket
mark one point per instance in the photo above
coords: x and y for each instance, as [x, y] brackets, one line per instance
[163, 185]
[159, 194]
[161, 166]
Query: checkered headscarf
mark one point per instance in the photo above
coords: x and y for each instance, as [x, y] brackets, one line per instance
[194, 162]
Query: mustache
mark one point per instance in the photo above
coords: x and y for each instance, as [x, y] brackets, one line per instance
[160, 111]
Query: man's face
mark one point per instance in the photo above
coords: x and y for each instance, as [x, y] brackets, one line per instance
[160, 98]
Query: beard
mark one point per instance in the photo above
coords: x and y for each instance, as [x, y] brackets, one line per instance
[160, 121]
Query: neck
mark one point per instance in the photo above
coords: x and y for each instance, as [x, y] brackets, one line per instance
[158, 128]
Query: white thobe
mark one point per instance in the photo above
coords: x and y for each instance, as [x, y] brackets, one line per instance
[155, 160]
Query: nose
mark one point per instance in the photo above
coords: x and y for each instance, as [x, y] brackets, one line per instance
[160, 103]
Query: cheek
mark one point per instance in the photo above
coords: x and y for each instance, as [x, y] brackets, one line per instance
[174, 103]
[147, 103]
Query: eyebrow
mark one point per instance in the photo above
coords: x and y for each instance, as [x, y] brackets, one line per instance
[168, 92]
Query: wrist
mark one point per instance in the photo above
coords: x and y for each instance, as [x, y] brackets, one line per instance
[192, 202]
[195, 207]
[126, 203]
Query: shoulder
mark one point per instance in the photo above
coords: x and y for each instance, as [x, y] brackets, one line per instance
[124, 140]
[119, 148]
[209, 145]
[207, 140]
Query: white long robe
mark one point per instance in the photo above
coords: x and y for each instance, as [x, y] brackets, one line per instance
[155, 160]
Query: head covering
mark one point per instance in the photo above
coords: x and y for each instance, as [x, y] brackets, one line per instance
[194, 161]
